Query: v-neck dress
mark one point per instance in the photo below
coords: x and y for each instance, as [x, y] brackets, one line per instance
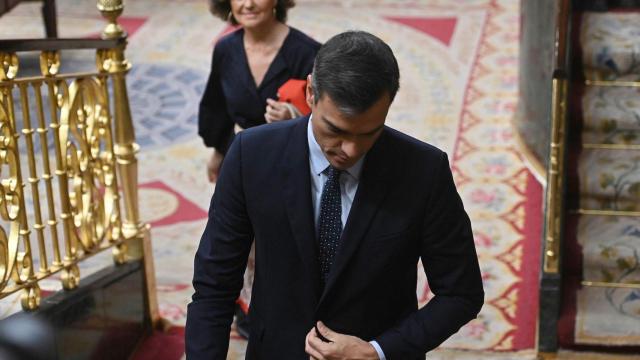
[231, 96]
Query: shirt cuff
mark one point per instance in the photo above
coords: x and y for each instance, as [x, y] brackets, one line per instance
[378, 349]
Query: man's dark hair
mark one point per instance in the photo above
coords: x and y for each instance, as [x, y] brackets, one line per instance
[355, 69]
[222, 9]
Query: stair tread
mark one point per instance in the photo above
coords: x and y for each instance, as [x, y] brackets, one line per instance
[611, 45]
[611, 115]
[609, 180]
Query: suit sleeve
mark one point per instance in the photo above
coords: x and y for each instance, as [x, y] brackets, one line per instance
[214, 124]
[219, 264]
[451, 265]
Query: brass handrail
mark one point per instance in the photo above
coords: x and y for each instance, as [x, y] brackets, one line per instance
[555, 179]
[611, 146]
[46, 78]
[89, 176]
[597, 212]
[620, 83]
[610, 284]
[85, 175]
[20, 45]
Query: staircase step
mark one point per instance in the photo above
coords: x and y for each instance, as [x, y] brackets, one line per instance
[611, 115]
[606, 254]
[611, 45]
[609, 180]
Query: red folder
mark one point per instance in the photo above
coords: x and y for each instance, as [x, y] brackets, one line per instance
[294, 92]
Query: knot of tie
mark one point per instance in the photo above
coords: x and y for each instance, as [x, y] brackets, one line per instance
[333, 172]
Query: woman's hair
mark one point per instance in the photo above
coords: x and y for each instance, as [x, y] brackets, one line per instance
[221, 9]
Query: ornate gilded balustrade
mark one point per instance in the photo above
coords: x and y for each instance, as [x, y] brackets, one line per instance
[68, 168]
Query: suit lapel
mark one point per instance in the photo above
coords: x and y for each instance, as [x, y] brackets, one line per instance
[373, 186]
[297, 196]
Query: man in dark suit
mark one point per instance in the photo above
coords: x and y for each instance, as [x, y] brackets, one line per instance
[341, 208]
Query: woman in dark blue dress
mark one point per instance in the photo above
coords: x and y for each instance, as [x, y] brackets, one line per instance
[248, 67]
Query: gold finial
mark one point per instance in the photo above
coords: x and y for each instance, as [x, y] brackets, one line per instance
[103, 60]
[70, 277]
[8, 66]
[30, 298]
[110, 10]
[49, 63]
[120, 254]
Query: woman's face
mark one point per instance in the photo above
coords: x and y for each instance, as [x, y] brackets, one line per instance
[252, 13]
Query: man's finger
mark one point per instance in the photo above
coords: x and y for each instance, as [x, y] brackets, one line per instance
[319, 334]
[322, 347]
[325, 331]
[310, 348]
[313, 353]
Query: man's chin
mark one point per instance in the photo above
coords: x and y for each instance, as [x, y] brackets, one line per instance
[341, 165]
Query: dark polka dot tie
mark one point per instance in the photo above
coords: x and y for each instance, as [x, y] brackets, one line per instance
[330, 221]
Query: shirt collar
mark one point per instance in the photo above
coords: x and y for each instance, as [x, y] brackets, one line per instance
[319, 162]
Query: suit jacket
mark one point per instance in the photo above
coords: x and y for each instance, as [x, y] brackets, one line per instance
[406, 207]
[231, 95]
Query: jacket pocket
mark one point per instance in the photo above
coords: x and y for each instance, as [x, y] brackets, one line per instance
[392, 239]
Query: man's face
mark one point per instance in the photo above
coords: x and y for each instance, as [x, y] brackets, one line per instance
[345, 139]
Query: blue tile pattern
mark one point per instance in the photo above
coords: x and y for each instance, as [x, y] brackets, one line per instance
[164, 103]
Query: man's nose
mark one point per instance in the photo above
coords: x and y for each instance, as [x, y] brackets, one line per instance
[350, 148]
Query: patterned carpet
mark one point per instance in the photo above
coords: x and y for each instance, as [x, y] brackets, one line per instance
[458, 64]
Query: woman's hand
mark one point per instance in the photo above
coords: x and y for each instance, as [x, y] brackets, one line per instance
[278, 111]
[213, 166]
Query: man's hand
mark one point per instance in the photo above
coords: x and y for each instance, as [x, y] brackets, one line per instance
[340, 347]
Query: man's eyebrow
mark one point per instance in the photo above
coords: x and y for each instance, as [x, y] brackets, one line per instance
[332, 125]
[374, 130]
[337, 129]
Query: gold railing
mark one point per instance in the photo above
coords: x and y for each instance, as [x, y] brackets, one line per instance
[68, 165]
[555, 178]
[610, 284]
[612, 83]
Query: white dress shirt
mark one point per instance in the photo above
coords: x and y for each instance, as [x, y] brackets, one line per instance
[349, 180]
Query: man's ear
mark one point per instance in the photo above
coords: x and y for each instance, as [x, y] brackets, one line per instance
[310, 98]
